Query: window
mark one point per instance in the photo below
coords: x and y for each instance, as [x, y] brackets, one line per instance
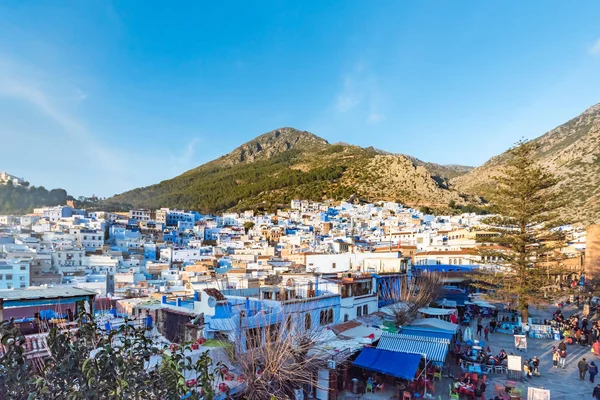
[345, 317]
[332, 265]
[21, 278]
[358, 311]
[23, 285]
[23, 268]
[307, 321]
[288, 323]
[326, 317]
[365, 309]
[9, 277]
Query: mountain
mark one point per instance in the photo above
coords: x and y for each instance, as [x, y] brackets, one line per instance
[572, 152]
[287, 163]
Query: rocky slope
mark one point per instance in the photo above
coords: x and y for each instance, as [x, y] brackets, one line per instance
[572, 151]
[287, 163]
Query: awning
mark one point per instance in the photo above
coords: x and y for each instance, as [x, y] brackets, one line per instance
[417, 331]
[436, 311]
[436, 324]
[398, 364]
[434, 349]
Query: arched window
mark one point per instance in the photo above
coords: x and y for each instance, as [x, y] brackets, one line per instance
[365, 309]
[330, 316]
[307, 322]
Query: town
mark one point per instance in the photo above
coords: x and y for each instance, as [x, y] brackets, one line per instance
[339, 269]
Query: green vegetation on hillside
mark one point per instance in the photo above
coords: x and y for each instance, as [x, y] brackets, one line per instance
[285, 164]
[213, 188]
[21, 200]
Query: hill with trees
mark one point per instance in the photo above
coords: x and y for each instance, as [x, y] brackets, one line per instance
[15, 199]
[287, 163]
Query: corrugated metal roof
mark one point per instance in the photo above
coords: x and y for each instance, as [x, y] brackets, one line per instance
[435, 349]
[44, 293]
[423, 331]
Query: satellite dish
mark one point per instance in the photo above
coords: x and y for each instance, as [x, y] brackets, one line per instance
[212, 302]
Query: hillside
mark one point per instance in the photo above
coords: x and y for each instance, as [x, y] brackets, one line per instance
[572, 151]
[286, 163]
[21, 200]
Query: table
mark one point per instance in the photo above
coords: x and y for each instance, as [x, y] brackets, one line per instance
[475, 368]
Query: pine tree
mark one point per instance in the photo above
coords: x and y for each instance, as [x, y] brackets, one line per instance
[527, 201]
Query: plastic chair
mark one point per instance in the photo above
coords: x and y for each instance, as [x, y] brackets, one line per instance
[369, 387]
[437, 374]
[453, 394]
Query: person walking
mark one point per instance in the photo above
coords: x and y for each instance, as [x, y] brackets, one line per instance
[596, 392]
[563, 358]
[555, 358]
[479, 329]
[486, 333]
[526, 370]
[593, 371]
[536, 366]
[526, 329]
[583, 367]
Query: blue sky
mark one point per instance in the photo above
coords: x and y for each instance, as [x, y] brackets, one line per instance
[99, 97]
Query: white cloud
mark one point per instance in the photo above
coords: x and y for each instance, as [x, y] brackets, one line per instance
[360, 94]
[595, 49]
[374, 118]
[107, 168]
[186, 159]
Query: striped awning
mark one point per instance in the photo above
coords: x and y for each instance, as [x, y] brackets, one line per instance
[434, 349]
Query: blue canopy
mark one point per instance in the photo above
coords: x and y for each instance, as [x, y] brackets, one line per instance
[400, 365]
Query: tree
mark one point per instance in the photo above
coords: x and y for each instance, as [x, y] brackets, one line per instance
[424, 289]
[286, 359]
[527, 201]
[89, 364]
[248, 225]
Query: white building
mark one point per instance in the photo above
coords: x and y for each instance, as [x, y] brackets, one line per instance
[90, 239]
[140, 215]
[6, 177]
[68, 259]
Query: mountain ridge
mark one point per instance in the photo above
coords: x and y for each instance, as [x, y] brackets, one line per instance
[286, 163]
[571, 151]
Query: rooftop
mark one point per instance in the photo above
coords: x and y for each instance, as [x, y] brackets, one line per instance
[43, 293]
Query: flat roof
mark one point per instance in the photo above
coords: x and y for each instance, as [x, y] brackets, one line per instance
[44, 293]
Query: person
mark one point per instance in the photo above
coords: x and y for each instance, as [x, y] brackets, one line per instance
[526, 370]
[596, 392]
[479, 329]
[563, 358]
[486, 332]
[526, 329]
[555, 358]
[479, 390]
[593, 371]
[562, 345]
[583, 366]
[536, 366]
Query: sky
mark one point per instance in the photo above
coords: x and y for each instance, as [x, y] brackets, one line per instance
[98, 97]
